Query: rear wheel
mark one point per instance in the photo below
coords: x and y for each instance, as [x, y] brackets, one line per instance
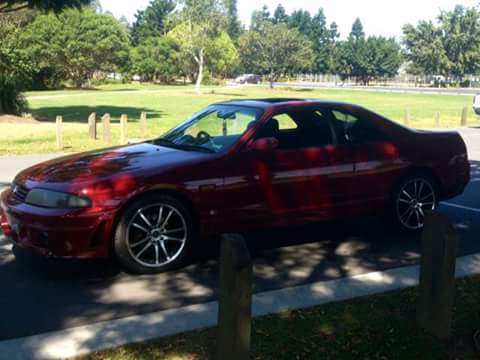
[412, 198]
[154, 235]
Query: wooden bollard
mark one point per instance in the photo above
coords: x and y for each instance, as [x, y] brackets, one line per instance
[463, 121]
[143, 124]
[437, 119]
[92, 126]
[123, 129]
[437, 276]
[235, 300]
[406, 119]
[106, 128]
[59, 132]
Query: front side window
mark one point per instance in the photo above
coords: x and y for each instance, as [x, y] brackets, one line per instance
[213, 130]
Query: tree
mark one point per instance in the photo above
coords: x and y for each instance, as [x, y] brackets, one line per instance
[276, 51]
[234, 26]
[280, 16]
[320, 37]
[223, 56]
[9, 6]
[449, 47]
[153, 20]
[76, 44]
[14, 67]
[260, 18]
[200, 23]
[366, 59]
[424, 48]
[302, 21]
[461, 34]
[357, 32]
[157, 58]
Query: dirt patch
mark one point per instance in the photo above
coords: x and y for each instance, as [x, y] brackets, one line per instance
[12, 119]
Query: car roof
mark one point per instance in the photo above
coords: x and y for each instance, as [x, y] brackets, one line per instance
[281, 102]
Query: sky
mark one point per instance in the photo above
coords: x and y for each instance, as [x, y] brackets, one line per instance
[379, 17]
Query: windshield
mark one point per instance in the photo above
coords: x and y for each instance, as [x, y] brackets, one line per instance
[215, 129]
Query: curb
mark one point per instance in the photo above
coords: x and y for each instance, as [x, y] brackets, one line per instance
[85, 339]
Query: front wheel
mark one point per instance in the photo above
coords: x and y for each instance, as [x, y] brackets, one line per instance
[153, 235]
[412, 198]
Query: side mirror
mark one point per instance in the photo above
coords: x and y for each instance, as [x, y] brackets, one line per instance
[264, 144]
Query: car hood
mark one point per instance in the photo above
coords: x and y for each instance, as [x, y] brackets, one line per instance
[134, 161]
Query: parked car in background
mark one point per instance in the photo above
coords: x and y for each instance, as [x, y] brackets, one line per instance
[476, 104]
[235, 166]
[249, 79]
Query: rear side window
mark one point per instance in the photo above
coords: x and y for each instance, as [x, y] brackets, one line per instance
[285, 122]
[355, 129]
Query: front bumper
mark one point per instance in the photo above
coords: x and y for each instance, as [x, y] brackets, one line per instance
[60, 233]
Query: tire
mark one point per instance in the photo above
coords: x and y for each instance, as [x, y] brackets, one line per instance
[154, 235]
[411, 199]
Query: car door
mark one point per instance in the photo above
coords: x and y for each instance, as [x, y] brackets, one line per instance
[376, 158]
[299, 180]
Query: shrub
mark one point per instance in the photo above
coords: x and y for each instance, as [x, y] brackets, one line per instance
[12, 100]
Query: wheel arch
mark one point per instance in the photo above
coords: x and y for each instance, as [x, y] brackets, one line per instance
[419, 170]
[168, 191]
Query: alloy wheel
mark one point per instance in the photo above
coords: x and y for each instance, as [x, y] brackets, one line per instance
[156, 235]
[415, 198]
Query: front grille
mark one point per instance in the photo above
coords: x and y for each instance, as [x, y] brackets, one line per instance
[20, 192]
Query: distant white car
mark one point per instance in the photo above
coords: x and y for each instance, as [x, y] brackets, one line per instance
[476, 104]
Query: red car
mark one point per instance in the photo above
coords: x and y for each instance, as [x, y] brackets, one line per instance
[234, 166]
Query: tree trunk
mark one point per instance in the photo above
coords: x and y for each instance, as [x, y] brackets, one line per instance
[200, 72]
[272, 80]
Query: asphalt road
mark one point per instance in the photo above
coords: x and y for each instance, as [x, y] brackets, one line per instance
[38, 296]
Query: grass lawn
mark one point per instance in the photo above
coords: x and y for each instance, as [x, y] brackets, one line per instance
[374, 327]
[168, 105]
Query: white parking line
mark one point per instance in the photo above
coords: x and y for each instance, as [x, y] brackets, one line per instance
[461, 207]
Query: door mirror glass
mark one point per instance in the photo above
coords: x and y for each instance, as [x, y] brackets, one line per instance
[264, 144]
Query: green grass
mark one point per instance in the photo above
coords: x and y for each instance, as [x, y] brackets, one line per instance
[374, 327]
[168, 105]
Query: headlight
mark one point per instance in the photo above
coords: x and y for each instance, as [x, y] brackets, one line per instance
[55, 199]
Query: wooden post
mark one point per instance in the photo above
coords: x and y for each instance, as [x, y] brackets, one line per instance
[235, 300]
[143, 124]
[437, 276]
[123, 129]
[407, 117]
[106, 128]
[464, 119]
[437, 119]
[92, 126]
[59, 132]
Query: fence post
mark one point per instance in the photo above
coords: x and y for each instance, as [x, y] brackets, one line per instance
[464, 119]
[437, 276]
[106, 128]
[92, 126]
[143, 124]
[437, 119]
[59, 132]
[235, 300]
[123, 129]
[407, 117]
